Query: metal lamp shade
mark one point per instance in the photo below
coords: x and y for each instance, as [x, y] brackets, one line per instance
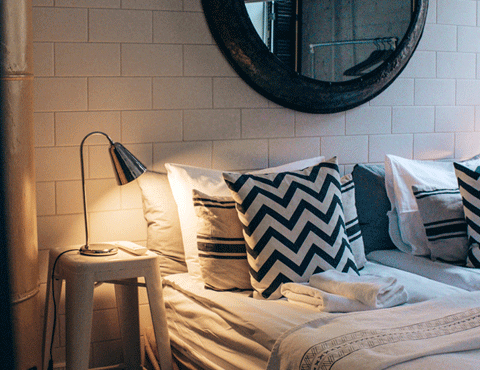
[127, 167]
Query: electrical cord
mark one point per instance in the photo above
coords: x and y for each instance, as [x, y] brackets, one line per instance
[50, 362]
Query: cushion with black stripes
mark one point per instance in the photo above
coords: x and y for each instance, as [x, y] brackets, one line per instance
[221, 246]
[469, 184]
[442, 214]
[352, 225]
[293, 224]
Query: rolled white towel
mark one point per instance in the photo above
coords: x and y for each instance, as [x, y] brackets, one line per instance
[372, 290]
[313, 298]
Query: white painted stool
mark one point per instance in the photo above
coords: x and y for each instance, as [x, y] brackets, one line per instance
[80, 273]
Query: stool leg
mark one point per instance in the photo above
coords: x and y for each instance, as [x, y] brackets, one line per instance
[127, 306]
[49, 316]
[79, 312]
[153, 281]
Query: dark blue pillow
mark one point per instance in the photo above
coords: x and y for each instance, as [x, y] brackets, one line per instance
[372, 206]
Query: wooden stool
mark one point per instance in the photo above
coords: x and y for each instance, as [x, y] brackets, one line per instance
[80, 274]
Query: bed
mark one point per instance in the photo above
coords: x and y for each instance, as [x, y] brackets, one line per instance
[230, 307]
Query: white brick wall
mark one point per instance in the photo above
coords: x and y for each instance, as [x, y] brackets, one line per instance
[148, 73]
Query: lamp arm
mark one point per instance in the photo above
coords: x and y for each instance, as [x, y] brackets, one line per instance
[83, 179]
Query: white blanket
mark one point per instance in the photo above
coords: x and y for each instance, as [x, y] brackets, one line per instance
[231, 331]
[333, 291]
[382, 338]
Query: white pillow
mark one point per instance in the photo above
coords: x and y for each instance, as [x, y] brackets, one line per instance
[292, 166]
[405, 223]
[163, 232]
[183, 179]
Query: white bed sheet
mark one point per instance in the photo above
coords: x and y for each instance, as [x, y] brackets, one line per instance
[388, 338]
[228, 330]
[458, 276]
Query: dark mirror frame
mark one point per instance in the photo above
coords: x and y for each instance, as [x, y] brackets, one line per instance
[234, 33]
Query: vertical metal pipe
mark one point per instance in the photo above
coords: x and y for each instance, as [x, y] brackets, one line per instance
[7, 346]
[16, 79]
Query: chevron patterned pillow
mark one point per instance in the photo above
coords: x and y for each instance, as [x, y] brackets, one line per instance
[473, 257]
[293, 224]
[469, 184]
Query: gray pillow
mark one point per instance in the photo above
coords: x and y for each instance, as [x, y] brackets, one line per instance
[372, 206]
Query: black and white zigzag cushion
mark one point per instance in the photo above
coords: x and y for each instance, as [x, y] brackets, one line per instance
[473, 257]
[293, 224]
[469, 184]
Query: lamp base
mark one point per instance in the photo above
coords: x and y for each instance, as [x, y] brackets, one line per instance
[99, 250]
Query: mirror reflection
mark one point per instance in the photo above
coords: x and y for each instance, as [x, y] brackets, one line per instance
[331, 40]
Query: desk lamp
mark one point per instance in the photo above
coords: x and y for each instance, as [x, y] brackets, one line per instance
[127, 168]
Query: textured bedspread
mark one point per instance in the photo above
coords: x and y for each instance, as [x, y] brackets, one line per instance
[232, 331]
[383, 338]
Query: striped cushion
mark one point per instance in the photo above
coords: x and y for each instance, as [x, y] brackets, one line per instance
[442, 214]
[293, 225]
[351, 220]
[469, 184]
[221, 246]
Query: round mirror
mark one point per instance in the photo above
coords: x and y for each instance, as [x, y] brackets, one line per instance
[317, 56]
